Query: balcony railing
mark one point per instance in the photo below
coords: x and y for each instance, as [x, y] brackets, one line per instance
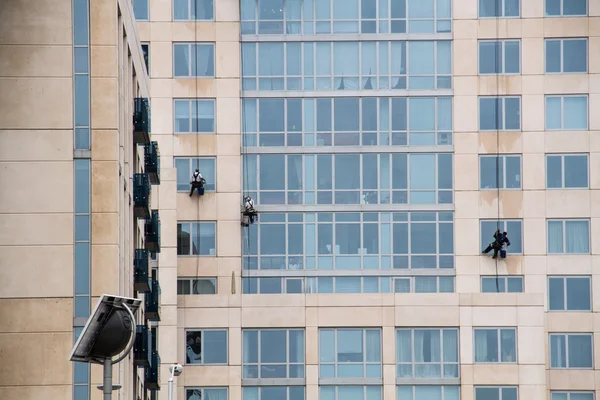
[152, 162]
[152, 301]
[141, 348]
[141, 275]
[141, 121]
[141, 196]
[152, 381]
[152, 232]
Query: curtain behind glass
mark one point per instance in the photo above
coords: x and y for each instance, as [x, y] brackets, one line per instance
[577, 237]
[215, 394]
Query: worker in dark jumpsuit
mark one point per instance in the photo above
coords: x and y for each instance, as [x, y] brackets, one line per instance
[500, 239]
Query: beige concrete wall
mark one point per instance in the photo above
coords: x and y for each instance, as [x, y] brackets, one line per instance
[36, 200]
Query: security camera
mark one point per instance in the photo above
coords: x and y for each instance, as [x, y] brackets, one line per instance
[176, 369]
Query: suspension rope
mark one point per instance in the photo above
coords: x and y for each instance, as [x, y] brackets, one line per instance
[498, 121]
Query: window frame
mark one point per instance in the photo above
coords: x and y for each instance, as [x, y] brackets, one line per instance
[564, 278]
[562, 98]
[564, 236]
[498, 331]
[208, 184]
[315, 81]
[442, 363]
[562, 41]
[314, 22]
[502, 43]
[147, 2]
[191, 245]
[503, 7]
[146, 62]
[499, 387]
[569, 392]
[442, 387]
[503, 158]
[503, 118]
[563, 170]
[189, 11]
[504, 278]
[336, 390]
[504, 229]
[202, 346]
[364, 363]
[253, 132]
[259, 390]
[194, 281]
[195, 46]
[310, 285]
[566, 341]
[201, 389]
[196, 102]
[562, 8]
[259, 364]
[386, 222]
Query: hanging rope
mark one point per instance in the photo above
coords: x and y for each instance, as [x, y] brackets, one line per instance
[499, 63]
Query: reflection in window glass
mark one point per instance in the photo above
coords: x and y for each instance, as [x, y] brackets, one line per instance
[206, 346]
[566, 55]
[569, 293]
[193, 60]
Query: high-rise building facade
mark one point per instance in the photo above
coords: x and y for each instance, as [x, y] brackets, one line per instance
[384, 141]
[78, 175]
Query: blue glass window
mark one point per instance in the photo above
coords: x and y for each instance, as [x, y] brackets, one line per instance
[272, 393]
[190, 10]
[495, 345]
[496, 393]
[499, 8]
[499, 113]
[566, 56]
[569, 293]
[499, 56]
[570, 236]
[206, 346]
[350, 353]
[501, 284]
[354, 392]
[427, 353]
[561, 395]
[512, 227]
[571, 350]
[567, 112]
[196, 238]
[273, 353]
[429, 392]
[567, 171]
[186, 167]
[193, 60]
[141, 9]
[502, 172]
[566, 8]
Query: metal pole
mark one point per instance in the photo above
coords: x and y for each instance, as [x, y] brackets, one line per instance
[170, 388]
[107, 389]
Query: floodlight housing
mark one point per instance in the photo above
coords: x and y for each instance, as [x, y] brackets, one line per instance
[107, 332]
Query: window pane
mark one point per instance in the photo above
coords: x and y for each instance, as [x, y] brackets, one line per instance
[571, 8]
[577, 237]
[553, 58]
[487, 393]
[580, 351]
[512, 62]
[490, 57]
[489, 112]
[578, 294]
[575, 112]
[512, 110]
[553, 113]
[215, 347]
[558, 351]
[576, 171]
[554, 172]
[513, 172]
[574, 55]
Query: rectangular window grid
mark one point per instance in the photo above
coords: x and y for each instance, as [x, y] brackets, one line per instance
[82, 252]
[206, 346]
[495, 345]
[399, 178]
[201, 393]
[194, 116]
[273, 353]
[429, 392]
[350, 353]
[141, 10]
[570, 293]
[193, 60]
[567, 112]
[427, 353]
[499, 8]
[500, 113]
[347, 121]
[499, 57]
[295, 17]
[348, 284]
[513, 227]
[496, 393]
[575, 395]
[272, 393]
[347, 392]
[571, 350]
[368, 65]
[502, 172]
[187, 165]
[567, 171]
[566, 8]
[501, 284]
[570, 236]
[566, 56]
[326, 241]
[193, 10]
[196, 238]
[187, 286]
